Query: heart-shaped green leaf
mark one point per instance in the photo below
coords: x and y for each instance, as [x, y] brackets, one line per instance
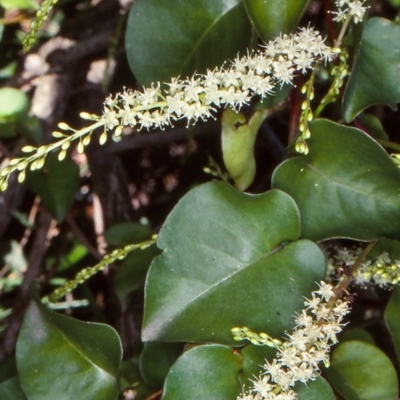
[62, 358]
[166, 38]
[238, 138]
[221, 267]
[347, 186]
[360, 371]
[56, 185]
[204, 372]
[272, 17]
[375, 78]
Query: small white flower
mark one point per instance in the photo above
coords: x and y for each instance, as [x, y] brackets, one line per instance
[149, 95]
[303, 61]
[262, 386]
[285, 379]
[312, 304]
[192, 90]
[175, 86]
[325, 291]
[175, 105]
[110, 119]
[146, 120]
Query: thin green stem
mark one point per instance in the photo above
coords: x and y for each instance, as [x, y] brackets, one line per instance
[388, 144]
[339, 40]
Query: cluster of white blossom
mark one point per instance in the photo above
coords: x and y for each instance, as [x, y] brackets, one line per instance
[309, 344]
[352, 8]
[234, 85]
[382, 270]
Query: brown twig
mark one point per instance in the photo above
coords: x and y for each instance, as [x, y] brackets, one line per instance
[31, 220]
[158, 138]
[39, 248]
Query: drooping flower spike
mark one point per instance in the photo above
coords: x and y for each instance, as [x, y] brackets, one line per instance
[193, 99]
[232, 85]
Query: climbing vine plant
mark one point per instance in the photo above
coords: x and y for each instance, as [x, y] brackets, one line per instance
[250, 284]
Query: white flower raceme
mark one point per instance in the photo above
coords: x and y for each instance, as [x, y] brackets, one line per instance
[353, 8]
[233, 85]
[309, 344]
[256, 74]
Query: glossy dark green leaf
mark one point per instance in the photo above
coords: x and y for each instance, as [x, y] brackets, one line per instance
[166, 38]
[221, 267]
[56, 184]
[273, 17]
[10, 387]
[375, 78]
[238, 138]
[62, 358]
[361, 371]
[204, 372]
[392, 318]
[347, 186]
[156, 359]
